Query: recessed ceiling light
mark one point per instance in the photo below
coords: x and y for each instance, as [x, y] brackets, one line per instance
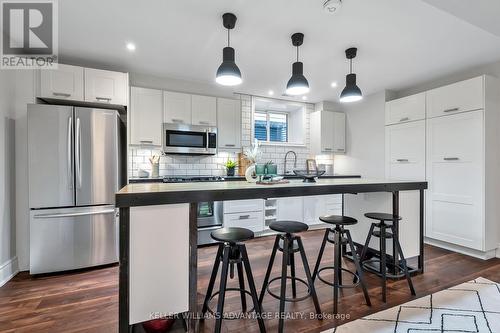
[304, 98]
[334, 84]
[131, 46]
[270, 92]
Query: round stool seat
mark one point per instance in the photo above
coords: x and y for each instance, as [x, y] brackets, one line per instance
[383, 217]
[288, 227]
[232, 235]
[338, 219]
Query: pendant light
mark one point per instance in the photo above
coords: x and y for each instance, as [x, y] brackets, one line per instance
[351, 92]
[297, 85]
[228, 74]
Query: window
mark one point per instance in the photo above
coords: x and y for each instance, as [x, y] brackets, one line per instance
[271, 126]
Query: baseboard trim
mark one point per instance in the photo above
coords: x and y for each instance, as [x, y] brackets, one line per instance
[460, 249]
[8, 270]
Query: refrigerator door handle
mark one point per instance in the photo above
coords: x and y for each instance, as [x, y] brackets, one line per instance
[70, 152]
[78, 153]
[56, 215]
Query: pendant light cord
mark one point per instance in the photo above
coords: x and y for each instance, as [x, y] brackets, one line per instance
[350, 66]
[228, 38]
[297, 53]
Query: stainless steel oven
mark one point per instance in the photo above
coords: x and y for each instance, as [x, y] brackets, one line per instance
[189, 139]
[210, 218]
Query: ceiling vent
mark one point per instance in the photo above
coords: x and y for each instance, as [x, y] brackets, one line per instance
[332, 6]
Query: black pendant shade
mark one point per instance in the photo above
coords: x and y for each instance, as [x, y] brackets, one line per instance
[297, 85]
[228, 73]
[351, 92]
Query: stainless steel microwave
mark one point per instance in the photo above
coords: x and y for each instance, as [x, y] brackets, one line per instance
[189, 139]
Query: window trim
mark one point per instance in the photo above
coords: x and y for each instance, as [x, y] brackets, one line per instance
[268, 125]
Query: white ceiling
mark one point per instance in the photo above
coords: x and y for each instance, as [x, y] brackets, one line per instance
[401, 43]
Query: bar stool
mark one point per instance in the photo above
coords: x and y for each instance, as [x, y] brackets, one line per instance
[289, 243]
[338, 236]
[383, 234]
[231, 251]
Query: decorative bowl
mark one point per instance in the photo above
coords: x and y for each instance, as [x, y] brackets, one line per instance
[309, 177]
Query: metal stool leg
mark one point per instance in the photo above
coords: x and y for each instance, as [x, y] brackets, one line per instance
[309, 278]
[253, 291]
[337, 271]
[365, 249]
[320, 254]
[269, 269]
[403, 261]
[212, 279]
[358, 266]
[292, 271]
[284, 270]
[241, 280]
[383, 265]
[222, 290]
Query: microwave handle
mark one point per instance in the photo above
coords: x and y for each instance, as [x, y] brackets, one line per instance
[208, 139]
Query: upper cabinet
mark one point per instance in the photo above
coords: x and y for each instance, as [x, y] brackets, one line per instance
[328, 134]
[106, 86]
[462, 96]
[203, 110]
[229, 123]
[83, 84]
[176, 108]
[65, 82]
[405, 109]
[146, 116]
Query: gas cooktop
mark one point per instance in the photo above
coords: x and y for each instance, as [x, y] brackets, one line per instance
[191, 179]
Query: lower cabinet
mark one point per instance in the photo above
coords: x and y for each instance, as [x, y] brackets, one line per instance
[315, 206]
[249, 220]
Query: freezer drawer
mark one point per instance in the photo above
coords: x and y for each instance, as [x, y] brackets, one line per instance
[65, 239]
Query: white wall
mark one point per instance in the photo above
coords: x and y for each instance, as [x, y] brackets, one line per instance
[365, 138]
[8, 260]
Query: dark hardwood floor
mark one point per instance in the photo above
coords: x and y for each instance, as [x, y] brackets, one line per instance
[88, 301]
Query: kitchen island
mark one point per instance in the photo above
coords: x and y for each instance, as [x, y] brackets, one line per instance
[158, 236]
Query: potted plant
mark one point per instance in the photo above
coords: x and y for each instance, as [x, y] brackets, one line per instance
[230, 165]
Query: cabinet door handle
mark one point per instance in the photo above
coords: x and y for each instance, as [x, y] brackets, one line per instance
[105, 99]
[61, 94]
[204, 122]
[451, 158]
[177, 120]
[402, 160]
[146, 141]
[404, 119]
[229, 145]
[328, 149]
[451, 110]
[244, 217]
[340, 149]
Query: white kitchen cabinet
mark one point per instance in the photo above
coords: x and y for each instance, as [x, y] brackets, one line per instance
[249, 220]
[176, 108]
[316, 206]
[203, 110]
[405, 109]
[238, 206]
[405, 151]
[228, 123]
[290, 209]
[327, 132]
[146, 116]
[462, 96]
[455, 170]
[65, 82]
[106, 86]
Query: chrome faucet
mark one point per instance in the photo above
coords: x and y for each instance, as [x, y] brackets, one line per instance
[294, 161]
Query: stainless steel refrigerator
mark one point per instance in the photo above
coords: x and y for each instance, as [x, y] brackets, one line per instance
[74, 172]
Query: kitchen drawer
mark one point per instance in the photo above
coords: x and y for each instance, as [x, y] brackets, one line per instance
[462, 96]
[250, 220]
[405, 109]
[242, 206]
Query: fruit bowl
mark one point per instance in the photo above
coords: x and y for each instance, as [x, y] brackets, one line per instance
[309, 176]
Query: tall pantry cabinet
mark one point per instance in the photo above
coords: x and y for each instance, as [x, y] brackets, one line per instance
[461, 136]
